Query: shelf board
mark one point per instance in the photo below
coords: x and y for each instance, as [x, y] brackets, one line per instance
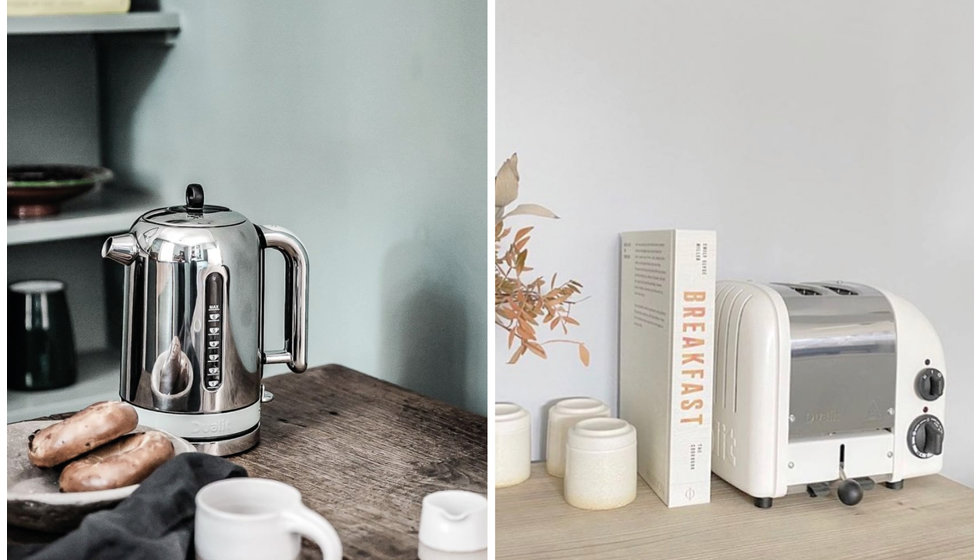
[134, 22]
[98, 380]
[105, 211]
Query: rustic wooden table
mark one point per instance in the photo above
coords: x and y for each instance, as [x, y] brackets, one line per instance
[932, 517]
[363, 452]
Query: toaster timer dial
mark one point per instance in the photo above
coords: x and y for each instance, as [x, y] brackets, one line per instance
[925, 437]
[930, 384]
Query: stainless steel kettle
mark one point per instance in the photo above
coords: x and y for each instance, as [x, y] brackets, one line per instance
[192, 348]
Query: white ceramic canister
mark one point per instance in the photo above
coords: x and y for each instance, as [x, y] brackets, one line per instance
[561, 417]
[600, 464]
[512, 456]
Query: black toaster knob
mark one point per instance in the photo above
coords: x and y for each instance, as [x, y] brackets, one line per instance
[930, 384]
[925, 436]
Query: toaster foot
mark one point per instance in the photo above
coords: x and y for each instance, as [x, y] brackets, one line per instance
[866, 482]
[763, 503]
[818, 489]
[897, 485]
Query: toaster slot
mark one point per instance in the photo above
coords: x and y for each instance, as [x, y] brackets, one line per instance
[804, 291]
[840, 290]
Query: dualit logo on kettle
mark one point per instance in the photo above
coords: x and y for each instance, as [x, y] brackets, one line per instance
[192, 353]
[210, 428]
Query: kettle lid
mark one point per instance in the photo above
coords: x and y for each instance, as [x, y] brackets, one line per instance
[194, 213]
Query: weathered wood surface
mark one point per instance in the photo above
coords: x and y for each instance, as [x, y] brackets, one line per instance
[364, 453]
[931, 518]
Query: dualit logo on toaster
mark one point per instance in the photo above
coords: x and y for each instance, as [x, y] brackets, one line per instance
[823, 416]
[692, 359]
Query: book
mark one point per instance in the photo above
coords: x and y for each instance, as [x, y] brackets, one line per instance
[65, 7]
[666, 358]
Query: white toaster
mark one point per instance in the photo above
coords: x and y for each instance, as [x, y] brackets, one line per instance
[821, 382]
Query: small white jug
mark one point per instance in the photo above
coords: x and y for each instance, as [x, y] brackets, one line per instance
[453, 526]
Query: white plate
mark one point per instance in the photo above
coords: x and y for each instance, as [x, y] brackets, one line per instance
[33, 498]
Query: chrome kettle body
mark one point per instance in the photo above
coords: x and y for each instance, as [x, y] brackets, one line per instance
[192, 348]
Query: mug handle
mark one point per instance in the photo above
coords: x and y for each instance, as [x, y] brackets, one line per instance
[312, 525]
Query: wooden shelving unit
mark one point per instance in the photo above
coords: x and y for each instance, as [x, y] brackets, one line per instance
[98, 380]
[111, 209]
[106, 211]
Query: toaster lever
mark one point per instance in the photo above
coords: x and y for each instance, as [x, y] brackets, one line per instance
[850, 492]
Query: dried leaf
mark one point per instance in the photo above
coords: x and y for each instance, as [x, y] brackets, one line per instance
[517, 354]
[521, 233]
[537, 350]
[520, 244]
[583, 354]
[530, 210]
[505, 183]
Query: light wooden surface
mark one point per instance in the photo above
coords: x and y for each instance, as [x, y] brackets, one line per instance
[931, 518]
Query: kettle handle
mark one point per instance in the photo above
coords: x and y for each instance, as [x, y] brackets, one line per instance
[293, 353]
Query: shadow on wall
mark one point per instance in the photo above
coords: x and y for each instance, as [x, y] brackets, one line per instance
[424, 325]
[125, 74]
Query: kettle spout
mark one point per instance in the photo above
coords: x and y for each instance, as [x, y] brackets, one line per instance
[120, 248]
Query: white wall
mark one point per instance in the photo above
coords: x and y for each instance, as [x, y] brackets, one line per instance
[822, 140]
[361, 126]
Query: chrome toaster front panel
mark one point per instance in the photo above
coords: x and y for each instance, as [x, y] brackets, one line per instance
[842, 359]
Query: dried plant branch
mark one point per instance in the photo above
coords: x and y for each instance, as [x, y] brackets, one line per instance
[522, 307]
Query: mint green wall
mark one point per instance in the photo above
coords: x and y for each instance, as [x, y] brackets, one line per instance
[360, 126]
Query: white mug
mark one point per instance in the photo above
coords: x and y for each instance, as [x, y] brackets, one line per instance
[257, 519]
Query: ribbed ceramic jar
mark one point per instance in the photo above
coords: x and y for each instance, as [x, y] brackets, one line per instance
[561, 417]
[600, 464]
[512, 456]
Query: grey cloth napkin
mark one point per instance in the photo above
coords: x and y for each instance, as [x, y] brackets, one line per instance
[156, 522]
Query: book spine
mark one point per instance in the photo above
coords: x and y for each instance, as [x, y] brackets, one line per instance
[691, 367]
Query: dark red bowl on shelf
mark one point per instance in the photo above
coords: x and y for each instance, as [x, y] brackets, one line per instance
[38, 190]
